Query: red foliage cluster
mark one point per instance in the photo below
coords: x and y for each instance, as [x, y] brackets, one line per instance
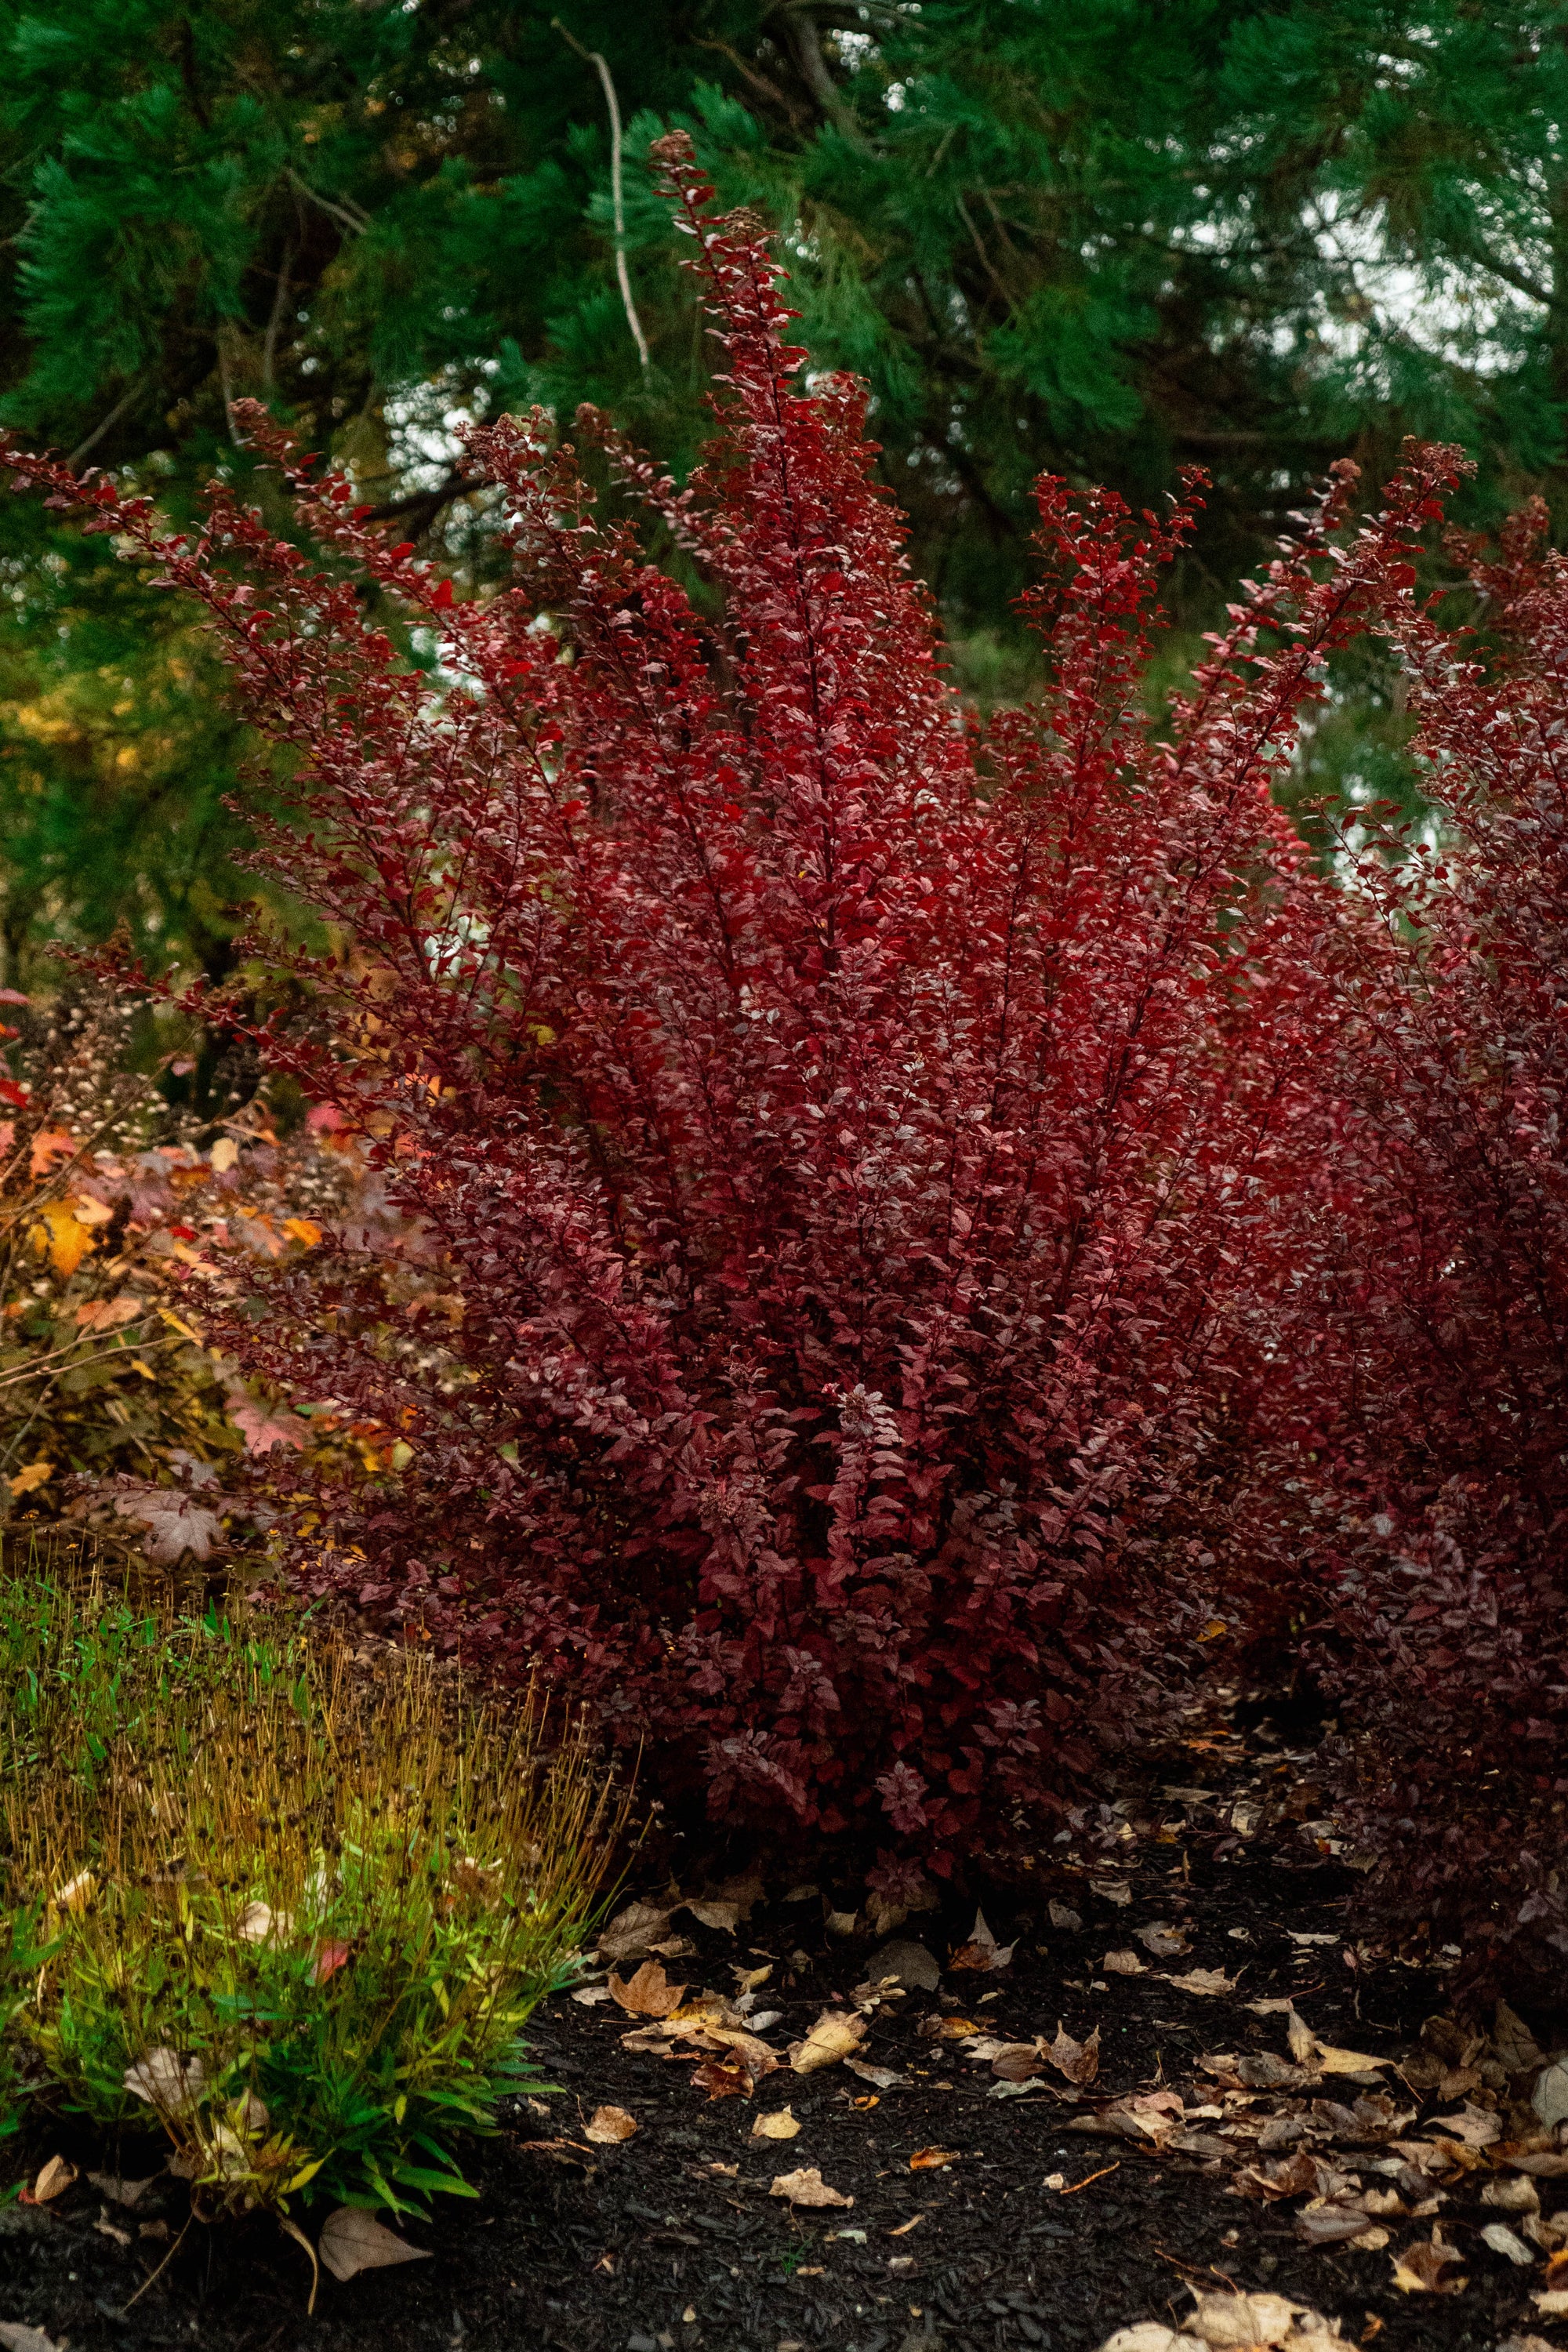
[1414, 1470]
[888, 1205]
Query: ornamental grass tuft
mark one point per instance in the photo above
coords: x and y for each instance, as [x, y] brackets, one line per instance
[291, 1909]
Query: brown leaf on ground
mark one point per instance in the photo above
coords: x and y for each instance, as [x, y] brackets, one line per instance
[1064, 1919]
[780, 2124]
[1323, 2057]
[55, 2177]
[723, 2078]
[1015, 2062]
[1079, 2060]
[836, 2034]
[649, 1993]
[1475, 2127]
[1517, 2047]
[1259, 2323]
[609, 2126]
[1165, 1943]
[807, 2188]
[1123, 1964]
[15, 2337]
[981, 1952]
[1202, 1981]
[1428, 2267]
[934, 2159]
[352, 2241]
[1294, 2176]
[884, 2078]
[1332, 2220]
[632, 1932]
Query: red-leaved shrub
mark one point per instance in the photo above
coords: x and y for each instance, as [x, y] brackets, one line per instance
[1413, 1464]
[840, 1155]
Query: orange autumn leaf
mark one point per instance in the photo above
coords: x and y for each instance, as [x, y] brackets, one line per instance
[49, 1144]
[61, 1235]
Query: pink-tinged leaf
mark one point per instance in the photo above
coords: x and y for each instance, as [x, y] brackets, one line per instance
[264, 1426]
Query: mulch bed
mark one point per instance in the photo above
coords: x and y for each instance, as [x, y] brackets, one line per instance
[671, 2241]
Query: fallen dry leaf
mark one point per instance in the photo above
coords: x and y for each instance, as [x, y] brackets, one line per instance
[1151, 2335]
[1202, 1981]
[632, 1932]
[1475, 2127]
[723, 1916]
[1164, 1942]
[1257, 2323]
[836, 2034]
[649, 1993]
[54, 2179]
[1079, 2060]
[15, 2337]
[1123, 1964]
[723, 2078]
[1512, 2196]
[934, 2159]
[808, 2187]
[981, 1952]
[1506, 2242]
[1323, 2057]
[884, 2078]
[1428, 2267]
[1064, 1919]
[609, 2126]
[1013, 2062]
[352, 2241]
[780, 2124]
[1114, 1890]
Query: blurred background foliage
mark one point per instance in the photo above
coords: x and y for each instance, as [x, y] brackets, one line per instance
[1108, 237]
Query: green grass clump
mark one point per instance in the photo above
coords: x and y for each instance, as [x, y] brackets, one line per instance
[294, 1911]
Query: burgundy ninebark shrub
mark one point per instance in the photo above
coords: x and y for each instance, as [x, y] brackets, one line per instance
[1419, 1473]
[831, 1138]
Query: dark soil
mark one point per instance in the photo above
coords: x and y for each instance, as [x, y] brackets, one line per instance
[671, 2240]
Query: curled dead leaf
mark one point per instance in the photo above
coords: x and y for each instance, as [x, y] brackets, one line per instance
[934, 2159]
[836, 2034]
[609, 2126]
[1428, 2267]
[53, 2180]
[808, 2187]
[723, 2078]
[1079, 2060]
[982, 1953]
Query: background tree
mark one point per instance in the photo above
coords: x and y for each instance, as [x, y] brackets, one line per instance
[1106, 240]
